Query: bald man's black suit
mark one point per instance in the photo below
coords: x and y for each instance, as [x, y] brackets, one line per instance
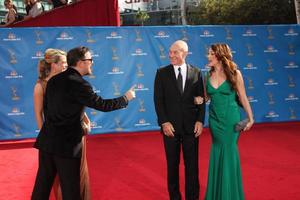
[179, 109]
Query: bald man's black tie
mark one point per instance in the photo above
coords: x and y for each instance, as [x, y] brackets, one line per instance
[179, 81]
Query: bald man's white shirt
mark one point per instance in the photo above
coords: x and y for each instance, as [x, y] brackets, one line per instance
[183, 68]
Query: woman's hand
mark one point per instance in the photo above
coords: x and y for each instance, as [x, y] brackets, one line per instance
[198, 100]
[86, 127]
[249, 125]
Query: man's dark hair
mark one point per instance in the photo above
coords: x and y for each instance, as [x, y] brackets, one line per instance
[76, 54]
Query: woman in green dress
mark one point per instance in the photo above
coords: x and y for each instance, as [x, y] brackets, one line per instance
[224, 87]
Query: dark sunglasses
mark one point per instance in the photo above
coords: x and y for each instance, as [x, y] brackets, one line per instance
[89, 59]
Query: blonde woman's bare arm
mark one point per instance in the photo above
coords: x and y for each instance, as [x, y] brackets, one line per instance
[86, 124]
[38, 99]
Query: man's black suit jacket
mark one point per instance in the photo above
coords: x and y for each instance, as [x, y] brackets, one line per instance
[65, 98]
[172, 106]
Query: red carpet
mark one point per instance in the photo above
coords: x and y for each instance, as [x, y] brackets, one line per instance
[132, 166]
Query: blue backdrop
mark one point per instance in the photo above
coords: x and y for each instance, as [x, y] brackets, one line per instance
[268, 57]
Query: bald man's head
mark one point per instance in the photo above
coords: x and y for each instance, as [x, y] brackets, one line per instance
[178, 52]
[180, 44]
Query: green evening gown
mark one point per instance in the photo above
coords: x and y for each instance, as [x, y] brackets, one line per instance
[224, 176]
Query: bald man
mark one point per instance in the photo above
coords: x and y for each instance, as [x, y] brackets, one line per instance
[180, 119]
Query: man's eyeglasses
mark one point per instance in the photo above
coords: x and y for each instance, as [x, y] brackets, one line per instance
[88, 59]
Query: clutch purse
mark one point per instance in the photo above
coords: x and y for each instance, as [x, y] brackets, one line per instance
[241, 125]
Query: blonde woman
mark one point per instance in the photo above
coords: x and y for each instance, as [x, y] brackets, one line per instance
[54, 62]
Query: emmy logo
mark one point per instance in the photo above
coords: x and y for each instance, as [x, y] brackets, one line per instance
[249, 65]
[15, 97]
[270, 67]
[114, 53]
[162, 54]
[116, 89]
[13, 59]
[89, 37]
[291, 81]
[291, 31]
[249, 50]
[291, 49]
[17, 130]
[118, 124]
[13, 73]
[138, 36]
[38, 38]
[184, 35]
[228, 33]
[250, 83]
[93, 112]
[292, 113]
[142, 105]
[270, 33]
[271, 100]
[139, 72]
[11, 36]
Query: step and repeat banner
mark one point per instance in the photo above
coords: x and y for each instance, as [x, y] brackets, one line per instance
[268, 56]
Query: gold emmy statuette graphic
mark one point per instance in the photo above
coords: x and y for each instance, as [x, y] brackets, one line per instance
[89, 37]
[270, 33]
[249, 50]
[270, 67]
[38, 37]
[15, 97]
[114, 53]
[138, 37]
[291, 49]
[139, 72]
[116, 89]
[271, 100]
[228, 33]
[17, 130]
[118, 124]
[291, 81]
[292, 113]
[142, 105]
[13, 59]
[250, 83]
[162, 54]
[184, 35]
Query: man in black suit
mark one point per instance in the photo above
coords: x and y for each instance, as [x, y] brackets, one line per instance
[59, 141]
[181, 120]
